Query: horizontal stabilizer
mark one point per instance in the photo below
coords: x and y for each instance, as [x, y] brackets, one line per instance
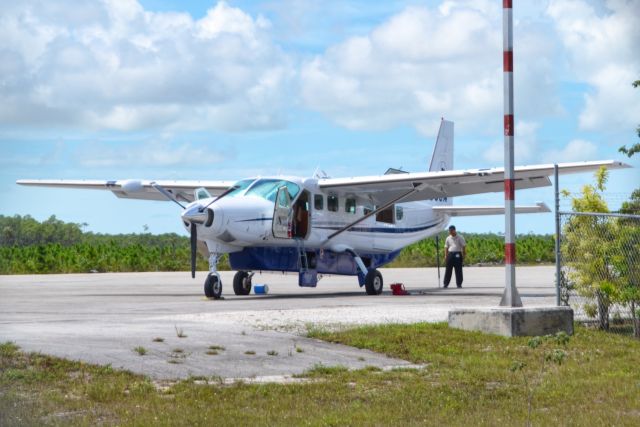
[539, 207]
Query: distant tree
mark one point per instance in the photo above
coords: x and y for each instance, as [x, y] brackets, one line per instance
[635, 148]
[632, 206]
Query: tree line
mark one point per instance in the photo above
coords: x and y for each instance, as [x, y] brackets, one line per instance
[28, 246]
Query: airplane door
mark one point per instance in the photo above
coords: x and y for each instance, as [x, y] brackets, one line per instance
[282, 214]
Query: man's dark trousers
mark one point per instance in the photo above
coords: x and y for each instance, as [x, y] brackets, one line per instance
[454, 260]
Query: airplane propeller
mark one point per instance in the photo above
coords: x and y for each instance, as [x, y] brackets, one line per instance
[194, 215]
[194, 242]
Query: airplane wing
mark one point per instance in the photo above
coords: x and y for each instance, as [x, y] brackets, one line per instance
[136, 189]
[539, 207]
[439, 184]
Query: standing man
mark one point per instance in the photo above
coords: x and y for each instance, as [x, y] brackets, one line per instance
[455, 251]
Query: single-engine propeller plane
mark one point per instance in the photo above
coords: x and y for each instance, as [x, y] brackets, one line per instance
[316, 226]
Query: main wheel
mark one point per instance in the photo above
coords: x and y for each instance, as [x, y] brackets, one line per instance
[242, 283]
[213, 287]
[373, 282]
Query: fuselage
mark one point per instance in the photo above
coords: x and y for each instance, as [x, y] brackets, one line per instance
[255, 216]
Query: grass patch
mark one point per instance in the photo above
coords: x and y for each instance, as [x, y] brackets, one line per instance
[158, 339]
[212, 352]
[468, 379]
[180, 332]
[217, 347]
[250, 352]
[140, 350]
[272, 353]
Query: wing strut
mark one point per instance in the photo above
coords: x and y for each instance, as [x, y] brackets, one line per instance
[383, 207]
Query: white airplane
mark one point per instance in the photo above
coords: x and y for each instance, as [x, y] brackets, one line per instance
[320, 225]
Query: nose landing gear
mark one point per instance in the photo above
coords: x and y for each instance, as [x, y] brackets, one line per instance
[213, 284]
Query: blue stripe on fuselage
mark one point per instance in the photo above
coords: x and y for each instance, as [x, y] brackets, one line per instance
[361, 229]
[381, 229]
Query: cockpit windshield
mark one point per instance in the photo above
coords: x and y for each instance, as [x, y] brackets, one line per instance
[240, 186]
[268, 188]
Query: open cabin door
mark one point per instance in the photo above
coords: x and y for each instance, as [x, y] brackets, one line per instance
[282, 214]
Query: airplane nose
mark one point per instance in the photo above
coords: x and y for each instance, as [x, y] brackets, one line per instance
[198, 215]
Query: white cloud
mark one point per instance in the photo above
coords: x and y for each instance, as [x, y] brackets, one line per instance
[115, 65]
[577, 150]
[422, 63]
[602, 43]
[150, 154]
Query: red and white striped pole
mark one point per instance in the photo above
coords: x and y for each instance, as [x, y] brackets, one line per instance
[510, 298]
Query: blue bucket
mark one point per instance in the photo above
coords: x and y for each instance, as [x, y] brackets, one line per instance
[261, 289]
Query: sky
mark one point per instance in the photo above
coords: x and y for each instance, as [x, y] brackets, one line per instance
[169, 89]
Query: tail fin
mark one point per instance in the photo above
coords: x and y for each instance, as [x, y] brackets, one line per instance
[442, 158]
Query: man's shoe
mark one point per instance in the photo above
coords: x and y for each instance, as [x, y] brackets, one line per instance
[459, 286]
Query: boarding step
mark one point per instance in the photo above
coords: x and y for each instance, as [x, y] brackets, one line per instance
[308, 279]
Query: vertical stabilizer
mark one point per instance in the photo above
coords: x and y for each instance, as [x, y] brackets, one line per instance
[442, 158]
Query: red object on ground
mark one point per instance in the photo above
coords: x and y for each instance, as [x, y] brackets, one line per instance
[398, 289]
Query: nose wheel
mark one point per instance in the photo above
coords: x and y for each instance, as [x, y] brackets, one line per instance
[213, 286]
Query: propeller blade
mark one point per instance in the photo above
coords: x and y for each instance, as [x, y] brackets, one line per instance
[167, 194]
[224, 193]
[194, 242]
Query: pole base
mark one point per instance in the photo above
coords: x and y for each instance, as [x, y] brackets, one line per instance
[513, 322]
[511, 299]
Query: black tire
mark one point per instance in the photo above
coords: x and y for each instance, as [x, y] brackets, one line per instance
[373, 282]
[242, 283]
[213, 287]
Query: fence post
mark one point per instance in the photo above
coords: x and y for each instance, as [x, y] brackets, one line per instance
[438, 256]
[557, 200]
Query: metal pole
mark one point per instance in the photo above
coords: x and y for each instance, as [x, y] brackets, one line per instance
[438, 256]
[510, 298]
[557, 197]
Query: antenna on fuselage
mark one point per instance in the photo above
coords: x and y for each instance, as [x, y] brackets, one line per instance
[320, 174]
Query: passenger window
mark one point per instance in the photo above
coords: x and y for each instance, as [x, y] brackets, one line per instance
[332, 203]
[399, 213]
[385, 215]
[350, 206]
[318, 202]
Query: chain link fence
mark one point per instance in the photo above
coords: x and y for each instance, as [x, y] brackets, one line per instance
[600, 269]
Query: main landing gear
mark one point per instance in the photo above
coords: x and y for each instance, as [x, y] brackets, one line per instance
[372, 278]
[213, 284]
[242, 283]
[373, 282]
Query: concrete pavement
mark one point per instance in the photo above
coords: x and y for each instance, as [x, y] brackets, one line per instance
[101, 318]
